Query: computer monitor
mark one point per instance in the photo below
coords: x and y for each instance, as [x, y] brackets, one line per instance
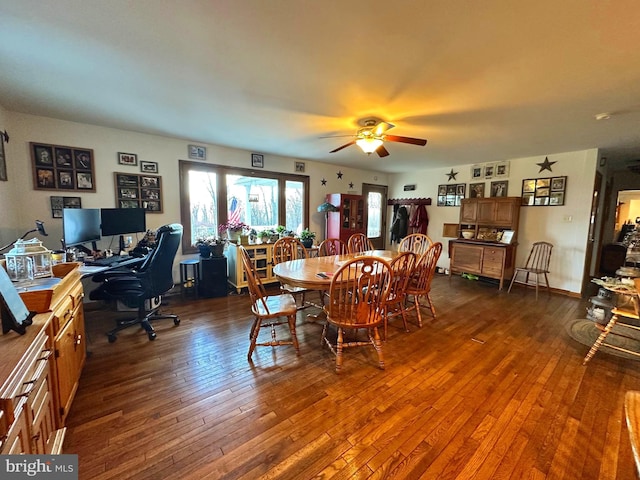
[120, 221]
[79, 226]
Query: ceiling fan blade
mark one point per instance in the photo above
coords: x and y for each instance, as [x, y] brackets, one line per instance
[352, 142]
[381, 151]
[381, 128]
[412, 141]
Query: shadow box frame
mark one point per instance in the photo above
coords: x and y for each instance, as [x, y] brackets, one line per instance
[451, 195]
[60, 203]
[544, 192]
[139, 191]
[62, 167]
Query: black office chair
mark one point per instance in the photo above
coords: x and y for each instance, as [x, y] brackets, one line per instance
[137, 288]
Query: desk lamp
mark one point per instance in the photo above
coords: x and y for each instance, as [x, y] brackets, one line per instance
[39, 228]
[325, 208]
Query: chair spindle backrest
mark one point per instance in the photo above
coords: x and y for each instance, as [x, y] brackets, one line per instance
[403, 267]
[332, 246]
[288, 248]
[426, 267]
[358, 243]
[417, 243]
[257, 291]
[540, 256]
[359, 290]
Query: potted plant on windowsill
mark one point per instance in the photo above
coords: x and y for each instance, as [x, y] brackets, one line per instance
[210, 246]
[307, 237]
[233, 230]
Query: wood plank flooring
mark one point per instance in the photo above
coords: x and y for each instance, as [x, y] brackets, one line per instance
[492, 389]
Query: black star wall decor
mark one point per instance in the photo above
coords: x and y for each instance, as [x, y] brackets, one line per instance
[339, 174]
[350, 184]
[546, 165]
[451, 175]
[323, 181]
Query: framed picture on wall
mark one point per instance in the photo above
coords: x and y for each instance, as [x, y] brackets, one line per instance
[197, 152]
[3, 161]
[257, 160]
[499, 189]
[59, 167]
[548, 191]
[476, 190]
[148, 167]
[502, 170]
[139, 191]
[127, 159]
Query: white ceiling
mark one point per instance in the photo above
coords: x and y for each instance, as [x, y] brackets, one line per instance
[482, 81]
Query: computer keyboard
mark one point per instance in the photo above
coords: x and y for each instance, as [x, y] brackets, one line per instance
[108, 261]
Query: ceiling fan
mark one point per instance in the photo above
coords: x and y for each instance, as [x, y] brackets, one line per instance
[371, 137]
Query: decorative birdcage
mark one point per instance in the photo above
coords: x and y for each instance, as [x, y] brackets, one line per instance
[28, 260]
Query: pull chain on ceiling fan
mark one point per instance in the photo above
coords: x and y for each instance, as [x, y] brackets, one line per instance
[372, 136]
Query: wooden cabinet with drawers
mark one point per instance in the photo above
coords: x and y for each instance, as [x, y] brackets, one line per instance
[483, 255]
[40, 370]
[492, 260]
[262, 256]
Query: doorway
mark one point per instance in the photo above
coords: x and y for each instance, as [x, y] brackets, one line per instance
[376, 213]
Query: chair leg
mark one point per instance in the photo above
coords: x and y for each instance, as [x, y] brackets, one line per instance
[416, 300]
[385, 316]
[513, 279]
[339, 351]
[254, 337]
[377, 344]
[537, 284]
[546, 279]
[596, 346]
[431, 306]
[292, 329]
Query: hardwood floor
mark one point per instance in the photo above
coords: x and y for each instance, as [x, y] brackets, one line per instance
[493, 389]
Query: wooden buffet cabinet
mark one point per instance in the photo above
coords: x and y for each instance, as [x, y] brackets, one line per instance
[483, 255]
[40, 370]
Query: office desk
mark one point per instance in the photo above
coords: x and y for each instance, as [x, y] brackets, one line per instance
[304, 272]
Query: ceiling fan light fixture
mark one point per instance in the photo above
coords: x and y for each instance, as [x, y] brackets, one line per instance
[369, 145]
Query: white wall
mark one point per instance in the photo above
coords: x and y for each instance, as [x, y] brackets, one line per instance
[10, 207]
[29, 204]
[564, 226]
[536, 223]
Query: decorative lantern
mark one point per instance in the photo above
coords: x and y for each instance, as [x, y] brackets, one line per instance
[28, 260]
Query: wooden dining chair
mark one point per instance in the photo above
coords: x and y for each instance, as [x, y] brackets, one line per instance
[420, 283]
[537, 264]
[269, 310]
[417, 243]
[332, 246]
[358, 243]
[622, 323]
[632, 416]
[357, 296]
[285, 249]
[403, 267]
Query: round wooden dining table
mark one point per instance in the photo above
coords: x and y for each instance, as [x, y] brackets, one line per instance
[316, 273]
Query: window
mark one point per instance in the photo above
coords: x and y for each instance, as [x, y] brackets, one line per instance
[211, 195]
[374, 216]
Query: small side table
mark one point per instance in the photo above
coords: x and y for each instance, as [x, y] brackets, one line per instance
[190, 275]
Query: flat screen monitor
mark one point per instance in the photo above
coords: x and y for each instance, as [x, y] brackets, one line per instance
[80, 225]
[120, 221]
